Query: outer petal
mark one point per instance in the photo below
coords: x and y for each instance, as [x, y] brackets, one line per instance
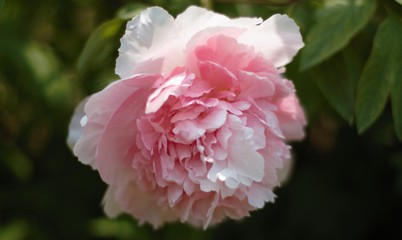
[146, 37]
[154, 42]
[117, 146]
[195, 19]
[133, 200]
[291, 118]
[75, 127]
[99, 110]
[278, 38]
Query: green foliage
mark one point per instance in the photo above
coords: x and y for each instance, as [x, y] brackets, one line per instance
[337, 22]
[99, 46]
[334, 80]
[380, 74]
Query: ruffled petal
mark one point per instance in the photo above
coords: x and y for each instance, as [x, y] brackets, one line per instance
[201, 18]
[245, 160]
[99, 108]
[277, 38]
[291, 118]
[146, 37]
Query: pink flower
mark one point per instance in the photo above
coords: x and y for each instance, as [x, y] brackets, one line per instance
[196, 128]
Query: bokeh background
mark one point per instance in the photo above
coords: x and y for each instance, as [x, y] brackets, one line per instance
[347, 174]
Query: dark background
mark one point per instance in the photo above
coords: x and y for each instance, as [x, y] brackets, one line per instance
[344, 185]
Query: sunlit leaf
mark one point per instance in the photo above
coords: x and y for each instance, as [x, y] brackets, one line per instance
[98, 45]
[336, 24]
[399, 1]
[382, 69]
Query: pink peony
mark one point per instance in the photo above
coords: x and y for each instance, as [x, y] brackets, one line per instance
[196, 128]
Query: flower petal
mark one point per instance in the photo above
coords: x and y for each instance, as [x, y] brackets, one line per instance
[278, 38]
[75, 128]
[291, 118]
[146, 36]
[174, 86]
[242, 157]
[99, 108]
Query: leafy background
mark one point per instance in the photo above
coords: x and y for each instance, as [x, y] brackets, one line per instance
[347, 177]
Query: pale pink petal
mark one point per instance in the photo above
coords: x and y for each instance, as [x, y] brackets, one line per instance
[76, 126]
[117, 145]
[291, 118]
[285, 172]
[142, 205]
[214, 120]
[188, 114]
[255, 86]
[245, 160]
[145, 39]
[100, 108]
[265, 112]
[201, 19]
[174, 192]
[278, 38]
[111, 207]
[187, 131]
[174, 86]
[218, 76]
[258, 195]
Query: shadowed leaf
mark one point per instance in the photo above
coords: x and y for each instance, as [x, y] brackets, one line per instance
[335, 26]
[379, 75]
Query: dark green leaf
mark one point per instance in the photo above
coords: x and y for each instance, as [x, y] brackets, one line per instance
[336, 83]
[336, 25]
[396, 99]
[396, 90]
[379, 74]
[97, 45]
[301, 13]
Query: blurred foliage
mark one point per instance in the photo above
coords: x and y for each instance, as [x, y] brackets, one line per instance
[347, 181]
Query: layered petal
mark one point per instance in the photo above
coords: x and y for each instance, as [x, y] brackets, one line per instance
[277, 38]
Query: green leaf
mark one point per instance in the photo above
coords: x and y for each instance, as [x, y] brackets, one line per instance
[382, 70]
[337, 83]
[129, 11]
[396, 100]
[396, 90]
[98, 45]
[336, 25]
[301, 13]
